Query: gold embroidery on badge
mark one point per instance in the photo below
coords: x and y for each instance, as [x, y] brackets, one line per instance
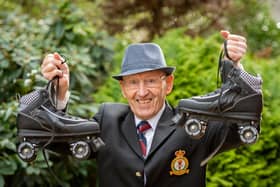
[180, 164]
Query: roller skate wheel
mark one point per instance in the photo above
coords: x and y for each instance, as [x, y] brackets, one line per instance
[193, 127]
[248, 134]
[80, 150]
[26, 151]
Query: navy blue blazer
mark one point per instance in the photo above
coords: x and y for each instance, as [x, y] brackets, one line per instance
[174, 158]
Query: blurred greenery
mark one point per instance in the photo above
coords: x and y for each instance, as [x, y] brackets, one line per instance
[31, 29]
[24, 40]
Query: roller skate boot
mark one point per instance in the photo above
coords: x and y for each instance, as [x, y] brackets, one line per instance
[225, 67]
[238, 100]
[39, 125]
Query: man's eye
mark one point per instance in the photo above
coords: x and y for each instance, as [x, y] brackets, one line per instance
[151, 80]
[132, 82]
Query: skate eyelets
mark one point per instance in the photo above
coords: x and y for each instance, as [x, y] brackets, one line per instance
[248, 134]
[80, 150]
[195, 128]
[26, 151]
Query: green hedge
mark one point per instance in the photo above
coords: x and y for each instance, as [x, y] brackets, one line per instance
[24, 41]
[196, 69]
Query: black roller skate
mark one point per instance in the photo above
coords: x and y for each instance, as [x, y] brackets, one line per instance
[40, 125]
[238, 100]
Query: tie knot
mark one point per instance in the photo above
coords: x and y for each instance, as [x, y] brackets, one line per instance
[143, 126]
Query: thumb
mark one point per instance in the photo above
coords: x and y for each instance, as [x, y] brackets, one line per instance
[57, 56]
[224, 34]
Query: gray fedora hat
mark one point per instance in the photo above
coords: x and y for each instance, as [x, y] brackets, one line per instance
[143, 57]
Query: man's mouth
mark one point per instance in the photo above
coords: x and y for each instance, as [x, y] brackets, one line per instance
[143, 101]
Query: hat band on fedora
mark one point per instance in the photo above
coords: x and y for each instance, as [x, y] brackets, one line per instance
[143, 57]
[141, 65]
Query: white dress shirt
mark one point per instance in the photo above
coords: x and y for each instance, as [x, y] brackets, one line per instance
[149, 134]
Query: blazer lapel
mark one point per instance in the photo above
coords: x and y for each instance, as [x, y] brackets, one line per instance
[128, 130]
[166, 126]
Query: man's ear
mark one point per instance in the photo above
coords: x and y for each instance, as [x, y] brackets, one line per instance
[169, 84]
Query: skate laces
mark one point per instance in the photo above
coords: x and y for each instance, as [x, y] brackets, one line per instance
[220, 63]
[53, 130]
[54, 103]
[223, 53]
[51, 89]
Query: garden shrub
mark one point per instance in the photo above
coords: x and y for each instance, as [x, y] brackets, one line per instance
[24, 41]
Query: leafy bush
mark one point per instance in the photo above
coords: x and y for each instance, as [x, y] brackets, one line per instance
[24, 41]
[196, 66]
[253, 20]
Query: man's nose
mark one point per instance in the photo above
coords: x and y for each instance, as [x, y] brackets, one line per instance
[142, 89]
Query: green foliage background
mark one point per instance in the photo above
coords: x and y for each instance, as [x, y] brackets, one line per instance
[25, 39]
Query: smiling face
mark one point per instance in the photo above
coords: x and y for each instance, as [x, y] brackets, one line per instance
[146, 92]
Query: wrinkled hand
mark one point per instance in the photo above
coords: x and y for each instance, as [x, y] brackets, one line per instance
[53, 66]
[236, 46]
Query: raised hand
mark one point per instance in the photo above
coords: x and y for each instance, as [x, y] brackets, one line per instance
[236, 46]
[53, 65]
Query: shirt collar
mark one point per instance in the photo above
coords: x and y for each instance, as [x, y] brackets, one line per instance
[152, 121]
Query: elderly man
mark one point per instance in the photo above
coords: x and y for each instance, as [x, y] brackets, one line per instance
[145, 146]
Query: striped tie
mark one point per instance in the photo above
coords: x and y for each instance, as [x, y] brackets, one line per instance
[141, 128]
